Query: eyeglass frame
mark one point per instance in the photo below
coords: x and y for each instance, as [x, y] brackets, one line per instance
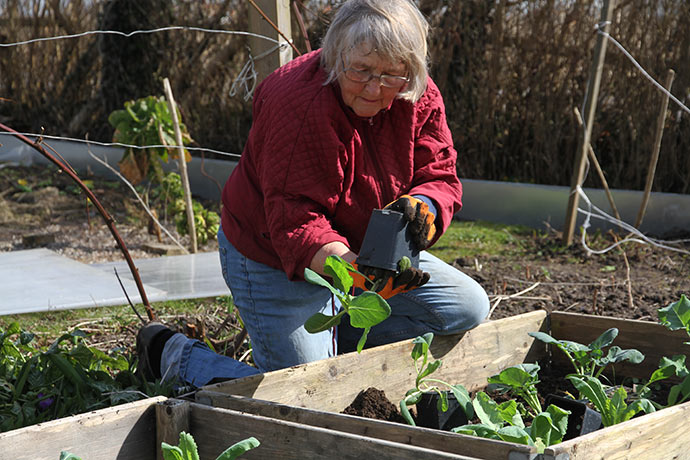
[380, 77]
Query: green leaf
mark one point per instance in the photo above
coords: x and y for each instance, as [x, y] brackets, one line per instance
[319, 322]
[337, 268]
[463, 398]
[68, 456]
[515, 434]
[171, 452]
[405, 411]
[188, 446]
[421, 345]
[314, 278]
[368, 309]
[481, 430]
[237, 449]
[429, 369]
[605, 339]
[676, 315]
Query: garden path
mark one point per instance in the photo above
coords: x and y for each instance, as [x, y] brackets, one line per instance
[38, 280]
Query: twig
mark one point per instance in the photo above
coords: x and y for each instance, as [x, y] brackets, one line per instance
[628, 281]
[127, 296]
[110, 222]
[500, 298]
[136, 194]
[289, 41]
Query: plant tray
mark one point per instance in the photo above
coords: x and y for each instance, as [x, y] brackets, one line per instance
[315, 393]
[135, 431]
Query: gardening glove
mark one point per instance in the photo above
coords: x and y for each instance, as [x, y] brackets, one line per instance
[388, 283]
[420, 218]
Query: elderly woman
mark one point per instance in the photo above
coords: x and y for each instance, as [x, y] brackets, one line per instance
[352, 127]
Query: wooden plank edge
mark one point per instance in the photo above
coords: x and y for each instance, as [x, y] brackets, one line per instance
[405, 434]
[213, 427]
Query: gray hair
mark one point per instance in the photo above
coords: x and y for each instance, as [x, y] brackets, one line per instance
[395, 29]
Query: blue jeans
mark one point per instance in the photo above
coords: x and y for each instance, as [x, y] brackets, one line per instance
[274, 310]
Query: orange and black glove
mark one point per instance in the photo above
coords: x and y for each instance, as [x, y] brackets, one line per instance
[420, 218]
[388, 283]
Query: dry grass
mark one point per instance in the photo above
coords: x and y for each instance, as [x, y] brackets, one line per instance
[511, 73]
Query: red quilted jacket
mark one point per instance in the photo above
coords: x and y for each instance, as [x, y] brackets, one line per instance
[312, 171]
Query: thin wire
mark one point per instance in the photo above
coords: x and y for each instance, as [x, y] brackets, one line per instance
[119, 144]
[146, 31]
[641, 69]
[606, 217]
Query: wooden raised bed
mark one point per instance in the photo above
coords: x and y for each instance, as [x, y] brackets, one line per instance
[315, 393]
[135, 431]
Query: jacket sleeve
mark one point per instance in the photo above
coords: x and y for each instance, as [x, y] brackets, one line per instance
[301, 180]
[435, 173]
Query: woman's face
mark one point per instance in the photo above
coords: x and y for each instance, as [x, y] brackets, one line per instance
[367, 99]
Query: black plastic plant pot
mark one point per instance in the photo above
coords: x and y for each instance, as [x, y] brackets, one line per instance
[386, 241]
[430, 416]
[582, 419]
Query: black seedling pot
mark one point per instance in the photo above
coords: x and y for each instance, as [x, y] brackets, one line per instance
[430, 416]
[386, 241]
[582, 419]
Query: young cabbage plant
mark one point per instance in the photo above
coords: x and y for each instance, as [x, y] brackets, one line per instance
[613, 408]
[366, 309]
[425, 384]
[187, 449]
[591, 360]
[675, 317]
[520, 380]
[504, 422]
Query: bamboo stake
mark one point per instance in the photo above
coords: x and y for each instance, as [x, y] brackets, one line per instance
[590, 109]
[597, 166]
[182, 162]
[660, 122]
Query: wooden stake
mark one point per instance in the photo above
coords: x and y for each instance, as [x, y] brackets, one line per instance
[182, 163]
[660, 122]
[597, 166]
[590, 109]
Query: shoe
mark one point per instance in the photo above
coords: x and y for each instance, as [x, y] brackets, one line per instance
[145, 340]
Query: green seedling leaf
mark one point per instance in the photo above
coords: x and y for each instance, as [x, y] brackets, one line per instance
[515, 434]
[368, 309]
[68, 456]
[314, 278]
[463, 398]
[319, 322]
[404, 263]
[171, 452]
[605, 339]
[337, 268]
[676, 315]
[421, 345]
[237, 449]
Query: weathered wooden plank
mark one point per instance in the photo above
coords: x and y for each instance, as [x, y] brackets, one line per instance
[332, 384]
[125, 432]
[421, 437]
[655, 436]
[215, 429]
[172, 417]
[652, 339]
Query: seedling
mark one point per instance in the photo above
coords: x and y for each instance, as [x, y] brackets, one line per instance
[520, 380]
[424, 384]
[366, 309]
[187, 449]
[613, 408]
[591, 360]
[504, 422]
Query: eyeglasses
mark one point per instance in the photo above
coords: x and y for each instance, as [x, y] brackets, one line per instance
[364, 76]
